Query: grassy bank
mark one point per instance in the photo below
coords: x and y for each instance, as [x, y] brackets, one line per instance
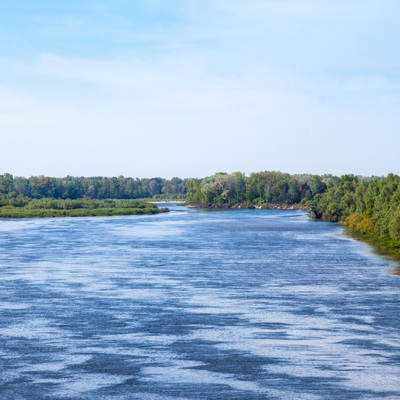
[382, 246]
[46, 208]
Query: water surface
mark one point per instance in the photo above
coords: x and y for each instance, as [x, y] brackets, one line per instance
[238, 304]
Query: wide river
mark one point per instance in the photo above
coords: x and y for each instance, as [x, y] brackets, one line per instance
[193, 304]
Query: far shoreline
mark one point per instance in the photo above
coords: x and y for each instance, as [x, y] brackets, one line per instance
[167, 201]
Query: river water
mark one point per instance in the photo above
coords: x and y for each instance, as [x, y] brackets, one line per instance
[194, 304]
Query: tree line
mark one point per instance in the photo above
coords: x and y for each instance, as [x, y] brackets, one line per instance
[16, 190]
[260, 188]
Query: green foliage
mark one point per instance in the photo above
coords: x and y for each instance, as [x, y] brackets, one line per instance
[260, 188]
[68, 204]
[394, 225]
[194, 193]
[338, 201]
[38, 187]
[79, 208]
[368, 206]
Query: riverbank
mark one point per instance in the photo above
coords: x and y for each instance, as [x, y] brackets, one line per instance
[249, 206]
[384, 247]
[49, 208]
[167, 201]
[97, 212]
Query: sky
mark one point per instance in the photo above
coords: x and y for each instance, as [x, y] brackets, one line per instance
[188, 88]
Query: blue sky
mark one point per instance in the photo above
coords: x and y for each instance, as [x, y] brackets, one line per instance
[188, 88]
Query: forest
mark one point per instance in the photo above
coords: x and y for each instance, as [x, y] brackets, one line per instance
[260, 189]
[17, 190]
[368, 206]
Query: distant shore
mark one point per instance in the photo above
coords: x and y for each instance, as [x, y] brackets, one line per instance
[265, 206]
[166, 201]
[50, 208]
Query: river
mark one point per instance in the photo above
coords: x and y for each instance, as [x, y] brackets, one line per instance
[195, 304]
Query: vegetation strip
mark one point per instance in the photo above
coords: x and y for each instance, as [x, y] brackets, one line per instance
[45, 208]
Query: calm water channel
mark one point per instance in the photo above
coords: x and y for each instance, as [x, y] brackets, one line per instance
[239, 304]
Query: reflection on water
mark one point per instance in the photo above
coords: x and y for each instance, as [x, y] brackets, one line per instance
[238, 304]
